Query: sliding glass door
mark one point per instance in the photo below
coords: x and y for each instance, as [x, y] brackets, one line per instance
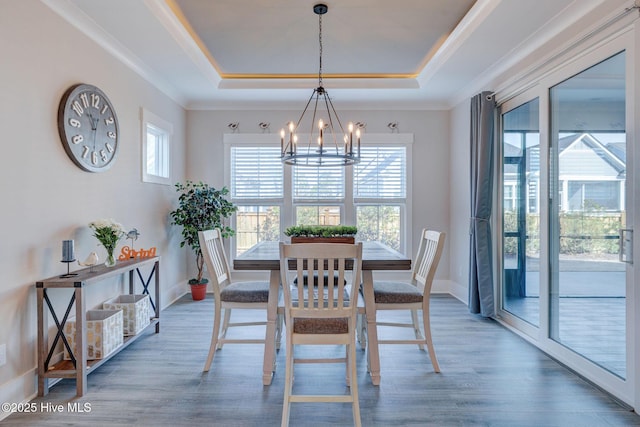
[566, 216]
[587, 214]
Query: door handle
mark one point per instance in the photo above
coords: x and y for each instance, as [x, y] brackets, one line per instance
[626, 245]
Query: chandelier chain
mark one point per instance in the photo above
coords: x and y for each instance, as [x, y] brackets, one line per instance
[320, 42]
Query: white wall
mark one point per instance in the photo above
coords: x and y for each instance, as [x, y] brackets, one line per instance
[460, 204]
[205, 156]
[46, 198]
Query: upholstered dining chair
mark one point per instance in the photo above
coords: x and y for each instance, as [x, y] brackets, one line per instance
[324, 314]
[229, 294]
[415, 295]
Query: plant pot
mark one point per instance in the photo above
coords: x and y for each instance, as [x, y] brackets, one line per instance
[198, 291]
[336, 239]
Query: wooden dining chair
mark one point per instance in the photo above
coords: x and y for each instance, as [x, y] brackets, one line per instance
[228, 294]
[320, 315]
[414, 295]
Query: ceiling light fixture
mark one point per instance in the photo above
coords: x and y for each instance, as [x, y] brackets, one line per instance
[329, 144]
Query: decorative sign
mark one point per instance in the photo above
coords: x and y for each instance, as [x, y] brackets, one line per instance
[128, 253]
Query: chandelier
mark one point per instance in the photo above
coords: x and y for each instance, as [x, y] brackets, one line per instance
[328, 143]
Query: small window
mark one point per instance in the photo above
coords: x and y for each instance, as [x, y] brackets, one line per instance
[156, 139]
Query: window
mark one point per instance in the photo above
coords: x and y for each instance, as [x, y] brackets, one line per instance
[312, 185]
[325, 183]
[257, 188]
[256, 223]
[156, 135]
[256, 173]
[380, 191]
[271, 197]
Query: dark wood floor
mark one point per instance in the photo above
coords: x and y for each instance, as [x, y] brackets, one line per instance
[490, 377]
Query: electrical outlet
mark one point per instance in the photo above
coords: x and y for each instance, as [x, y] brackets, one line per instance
[3, 354]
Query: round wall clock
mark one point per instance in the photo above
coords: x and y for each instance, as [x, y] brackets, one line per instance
[88, 127]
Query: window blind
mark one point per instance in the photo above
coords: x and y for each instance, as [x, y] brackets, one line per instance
[324, 183]
[256, 173]
[381, 173]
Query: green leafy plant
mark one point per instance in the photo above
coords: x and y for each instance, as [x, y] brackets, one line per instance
[321, 230]
[201, 207]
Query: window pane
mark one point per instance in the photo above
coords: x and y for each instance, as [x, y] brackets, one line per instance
[381, 173]
[256, 224]
[587, 179]
[152, 143]
[520, 218]
[256, 172]
[323, 183]
[379, 222]
[317, 215]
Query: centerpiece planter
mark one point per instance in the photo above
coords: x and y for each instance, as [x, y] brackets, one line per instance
[336, 239]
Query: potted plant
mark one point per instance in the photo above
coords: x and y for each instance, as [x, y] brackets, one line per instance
[322, 233]
[201, 207]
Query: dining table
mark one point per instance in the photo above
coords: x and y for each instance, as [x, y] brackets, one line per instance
[376, 256]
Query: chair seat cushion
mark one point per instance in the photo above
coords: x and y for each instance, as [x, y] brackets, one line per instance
[395, 293]
[320, 326]
[246, 292]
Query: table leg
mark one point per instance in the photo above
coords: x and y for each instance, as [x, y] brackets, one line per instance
[43, 342]
[372, 330]
[156, 268]
[81, 347]
[268, 366]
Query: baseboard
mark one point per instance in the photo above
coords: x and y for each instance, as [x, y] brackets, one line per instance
[18, 390]
[450, 287]
[171, 295]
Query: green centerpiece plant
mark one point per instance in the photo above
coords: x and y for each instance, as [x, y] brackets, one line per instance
[300, 233]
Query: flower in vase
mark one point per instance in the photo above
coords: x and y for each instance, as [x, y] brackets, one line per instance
[108, 232]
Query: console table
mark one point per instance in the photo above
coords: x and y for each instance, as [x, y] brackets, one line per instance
[79, 367]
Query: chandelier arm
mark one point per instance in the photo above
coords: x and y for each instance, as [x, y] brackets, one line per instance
[327, 101]
[313, 120]
[305, 109]
[335, 114]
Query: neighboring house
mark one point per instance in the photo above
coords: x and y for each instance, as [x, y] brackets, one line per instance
[591, 176]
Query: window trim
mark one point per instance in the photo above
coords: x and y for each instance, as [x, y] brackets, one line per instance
[165, 128]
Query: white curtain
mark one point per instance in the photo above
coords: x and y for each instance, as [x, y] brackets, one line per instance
[481, 295]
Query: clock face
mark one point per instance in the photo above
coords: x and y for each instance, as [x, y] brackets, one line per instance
[88, 127]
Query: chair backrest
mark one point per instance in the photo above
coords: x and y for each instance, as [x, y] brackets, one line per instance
[215, 258]
[330, 298]
[426, 263]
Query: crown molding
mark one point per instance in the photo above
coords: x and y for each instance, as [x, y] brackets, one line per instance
[78, 19]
